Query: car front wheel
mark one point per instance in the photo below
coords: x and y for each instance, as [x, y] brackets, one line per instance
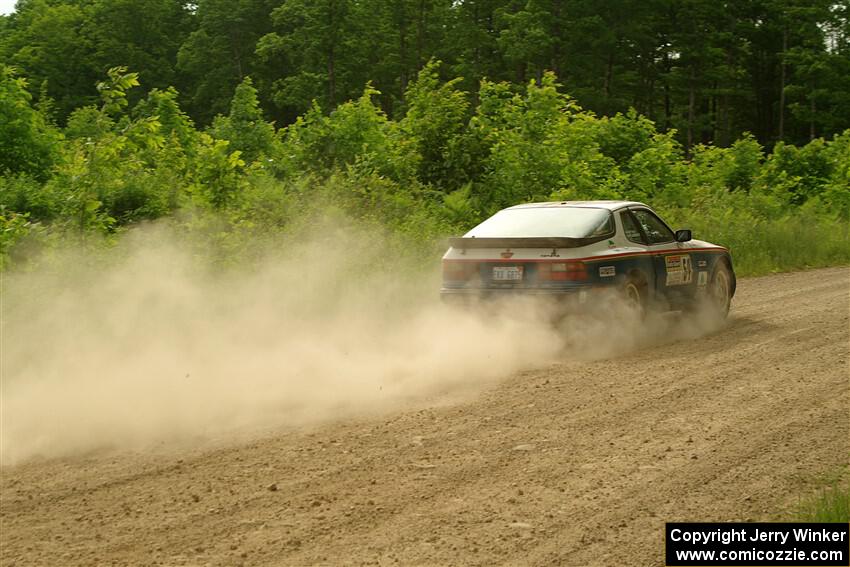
[720, 291]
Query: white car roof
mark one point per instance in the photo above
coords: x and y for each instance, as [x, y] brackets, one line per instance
[610, 205]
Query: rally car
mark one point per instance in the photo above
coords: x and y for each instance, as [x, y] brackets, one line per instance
[571, 250]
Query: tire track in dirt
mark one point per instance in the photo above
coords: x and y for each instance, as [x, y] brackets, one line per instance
[579, 463]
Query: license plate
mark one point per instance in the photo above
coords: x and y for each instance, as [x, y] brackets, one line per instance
[507, 273]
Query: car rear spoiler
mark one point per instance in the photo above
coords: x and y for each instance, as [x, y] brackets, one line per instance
[524, 242]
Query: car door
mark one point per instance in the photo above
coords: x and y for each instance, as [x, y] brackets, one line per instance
[674, 270]
[643, 262]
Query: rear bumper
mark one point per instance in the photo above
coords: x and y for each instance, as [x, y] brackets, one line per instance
[573, 296]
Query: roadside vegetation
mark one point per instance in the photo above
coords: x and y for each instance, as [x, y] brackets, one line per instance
[831, 505]
[831, 502]
[439, 169]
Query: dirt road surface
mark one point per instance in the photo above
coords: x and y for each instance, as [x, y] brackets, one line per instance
[578, 463]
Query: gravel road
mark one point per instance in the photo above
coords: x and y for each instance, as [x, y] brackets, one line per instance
[577, 463]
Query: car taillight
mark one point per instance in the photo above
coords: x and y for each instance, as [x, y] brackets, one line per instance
[562, 271]
[455, 270]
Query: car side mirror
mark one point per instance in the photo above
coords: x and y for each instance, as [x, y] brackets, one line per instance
[683, 235]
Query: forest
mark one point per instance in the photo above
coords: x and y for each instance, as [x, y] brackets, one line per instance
[246, 120]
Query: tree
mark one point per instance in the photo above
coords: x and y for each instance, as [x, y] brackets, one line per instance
[817, 71]
[143, 35]
[395, 40]
[70, 44]
[310, 45]
[46, 40]
[435, 124]
[219, 53]
[28, 144]
[163, 105]
[525, 41]
[473, 36]
[245, 127]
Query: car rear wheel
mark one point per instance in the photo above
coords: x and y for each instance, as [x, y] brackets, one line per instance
[635, 297]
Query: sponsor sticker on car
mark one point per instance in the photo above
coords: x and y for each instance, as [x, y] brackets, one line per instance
[679, 269]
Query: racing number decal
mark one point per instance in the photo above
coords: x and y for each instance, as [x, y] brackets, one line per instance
[679, 269]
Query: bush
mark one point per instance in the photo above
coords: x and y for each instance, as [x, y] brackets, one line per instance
[832, 504]
[438, 170]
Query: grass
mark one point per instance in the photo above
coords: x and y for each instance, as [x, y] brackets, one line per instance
[797, 241]
[831, 504]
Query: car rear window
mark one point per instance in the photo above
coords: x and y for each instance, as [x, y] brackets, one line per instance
[568, 222]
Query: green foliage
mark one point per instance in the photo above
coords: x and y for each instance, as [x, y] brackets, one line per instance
[175, 125]
[88, 122]
[219, 53]
[28, 144]
[357, 135]
[836, 190]
[245, 127]
[435, 126]
[830, 504]
[705, 71]
[459, 208]
[311, 40]
[217, 174]
[764, 242]
[28, 196]
[358, 132]
[14, 228]
[113, 92]
[438, 170]
[525, 38]
[799, 173]
[143, 36]
[46, 40]
[539, 145]
[117, 169]
[621, 137]
[69, 45]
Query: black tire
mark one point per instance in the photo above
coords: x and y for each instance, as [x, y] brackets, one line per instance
[634, 294]
[720, 291]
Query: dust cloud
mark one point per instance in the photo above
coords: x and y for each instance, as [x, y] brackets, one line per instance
[156, 348]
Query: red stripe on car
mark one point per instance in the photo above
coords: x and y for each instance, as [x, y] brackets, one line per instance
[593, 258]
